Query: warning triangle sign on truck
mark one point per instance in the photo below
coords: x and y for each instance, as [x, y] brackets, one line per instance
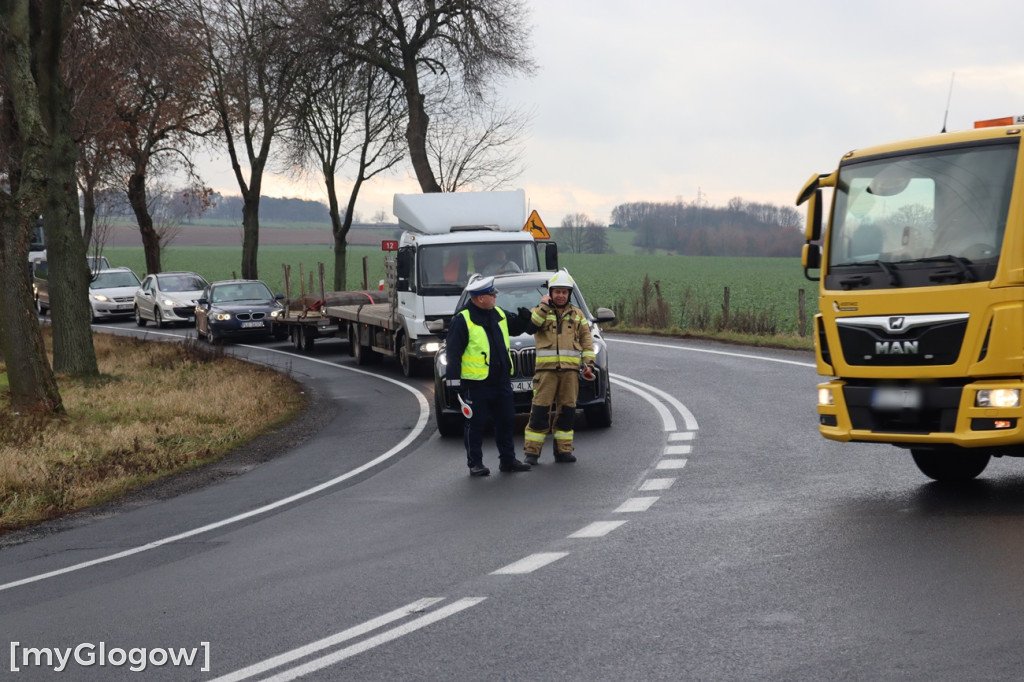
[535, 226]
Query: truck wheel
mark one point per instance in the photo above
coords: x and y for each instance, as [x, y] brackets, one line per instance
[405, 357]
[953, 465]
[308, 337]
[448, 425]
[364, 354]
[296, 338]
[600, 416]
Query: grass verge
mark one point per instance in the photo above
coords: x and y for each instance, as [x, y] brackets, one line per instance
[156, 409]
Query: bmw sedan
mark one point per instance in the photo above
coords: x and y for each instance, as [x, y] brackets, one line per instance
[524, 290]
[236, 308]
[168, 298]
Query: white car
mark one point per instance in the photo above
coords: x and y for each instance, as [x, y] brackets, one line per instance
[112, 293]
[168, 298]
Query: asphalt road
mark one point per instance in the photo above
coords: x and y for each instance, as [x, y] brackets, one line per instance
[709, 534]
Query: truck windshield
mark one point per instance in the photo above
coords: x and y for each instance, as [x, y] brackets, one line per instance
[444, 269]
[944, 208]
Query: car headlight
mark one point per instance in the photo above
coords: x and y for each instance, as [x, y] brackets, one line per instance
[169, 303]
[100, 297]
[443, 359]
[276, 314]
[222, 317]
[997, 397]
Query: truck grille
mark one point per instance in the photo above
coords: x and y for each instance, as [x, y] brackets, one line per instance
[935, 344]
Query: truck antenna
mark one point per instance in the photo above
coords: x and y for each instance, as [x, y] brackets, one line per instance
[948, 100]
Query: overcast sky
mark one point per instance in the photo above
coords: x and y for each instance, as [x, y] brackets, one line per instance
[659, 100]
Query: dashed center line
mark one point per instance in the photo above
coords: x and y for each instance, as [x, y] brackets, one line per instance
[657, 484]
[670, 464]
[531, 563]
[597, 529]
[637, 504]
[678, 449]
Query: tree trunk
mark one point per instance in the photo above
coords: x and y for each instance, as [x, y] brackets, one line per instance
[73, 351]
[140, 206]
[250, 234]
[339, 232]
[416, 136]
[29, 377]
[88, 213]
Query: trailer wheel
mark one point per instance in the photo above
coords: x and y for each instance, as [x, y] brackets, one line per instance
[308, 337]
[953, 465]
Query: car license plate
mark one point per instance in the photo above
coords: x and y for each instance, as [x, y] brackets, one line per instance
[191, 318]
[524, 386]
[124, 306]
[896, 398]
[254, 323]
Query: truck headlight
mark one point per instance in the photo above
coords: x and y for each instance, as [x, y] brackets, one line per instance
[997, 397]
[825, 396]
[431, 347]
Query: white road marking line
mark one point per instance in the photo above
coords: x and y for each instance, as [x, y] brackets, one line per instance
[377, 640]
[681, 435]
[598, 529]
[688, 418]
[637, 504]
[657, 484]
[530, 563]
[678, 449]
[345, 635]
[421, 424]
[763, 358]
[667, 420]
[670, 464]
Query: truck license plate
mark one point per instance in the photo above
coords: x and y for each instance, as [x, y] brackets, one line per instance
[524, 386]
[896, 398]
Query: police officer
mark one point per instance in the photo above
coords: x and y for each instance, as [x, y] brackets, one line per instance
[477, 351]
[565, 349]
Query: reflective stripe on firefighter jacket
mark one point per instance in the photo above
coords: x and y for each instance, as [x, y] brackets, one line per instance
[474, 359]
[563, 338]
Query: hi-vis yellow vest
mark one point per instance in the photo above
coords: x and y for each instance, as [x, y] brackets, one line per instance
[474, 358]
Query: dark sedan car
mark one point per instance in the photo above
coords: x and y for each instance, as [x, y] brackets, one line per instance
[236, 307]
[524, 290]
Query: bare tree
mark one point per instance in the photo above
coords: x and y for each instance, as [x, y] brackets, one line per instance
[416, 43]
[476, 145]
[574, 228]
[252, 61]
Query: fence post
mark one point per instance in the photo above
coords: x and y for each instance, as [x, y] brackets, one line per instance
[801, 313]
[725, 309]
[365, 275]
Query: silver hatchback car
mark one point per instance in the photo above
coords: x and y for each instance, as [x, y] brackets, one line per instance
[168, 298]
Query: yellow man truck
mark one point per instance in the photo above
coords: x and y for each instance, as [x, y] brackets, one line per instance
[921, 297]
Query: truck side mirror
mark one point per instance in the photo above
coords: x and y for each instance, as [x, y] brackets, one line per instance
[403, 268]
[811, 260]
[551, 256]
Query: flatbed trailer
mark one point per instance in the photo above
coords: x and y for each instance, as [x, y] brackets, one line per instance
[305, 318]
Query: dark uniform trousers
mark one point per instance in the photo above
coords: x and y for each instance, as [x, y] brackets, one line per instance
[489, 400]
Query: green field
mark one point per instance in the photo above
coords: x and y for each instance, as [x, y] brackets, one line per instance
[761, 286]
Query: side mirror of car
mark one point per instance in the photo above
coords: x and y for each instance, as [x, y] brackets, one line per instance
[435, 326]
[605, 315]
[279, 297]
[202, 301]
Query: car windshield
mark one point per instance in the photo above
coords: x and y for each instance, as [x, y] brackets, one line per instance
[938, 205]
[243, 291]
[171, 283]
[113, 280]
[512, 296]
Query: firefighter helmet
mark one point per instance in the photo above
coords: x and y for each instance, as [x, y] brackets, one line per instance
[561, 280]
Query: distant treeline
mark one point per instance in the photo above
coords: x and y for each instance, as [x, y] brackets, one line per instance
[272, 210]
[739, 229]
[186, 210]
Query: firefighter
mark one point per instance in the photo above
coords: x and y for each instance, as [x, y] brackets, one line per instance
[477, 351]
[564, 351]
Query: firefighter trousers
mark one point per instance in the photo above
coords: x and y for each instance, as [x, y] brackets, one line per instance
[553, 410]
